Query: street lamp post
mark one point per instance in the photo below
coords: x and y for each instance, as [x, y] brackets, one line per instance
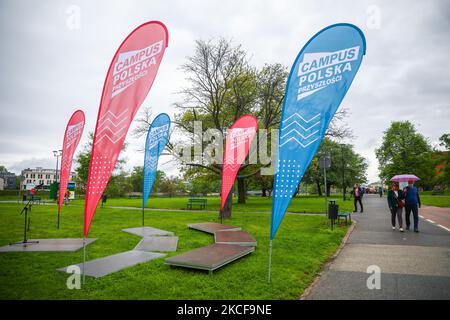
[343, 172]
[57, 154]
[325, 163]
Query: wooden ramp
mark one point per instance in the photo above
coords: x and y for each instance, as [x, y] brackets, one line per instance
[211, 227]
[240, 238]
[231, 244]
[210, 257]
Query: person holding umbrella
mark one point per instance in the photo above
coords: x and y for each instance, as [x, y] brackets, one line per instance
[396, 204]
[412, 199]
[412, 203]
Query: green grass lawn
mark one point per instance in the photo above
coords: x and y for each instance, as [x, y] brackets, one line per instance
[437, 201]
[302, 245]
[253, 204]
[308, 204]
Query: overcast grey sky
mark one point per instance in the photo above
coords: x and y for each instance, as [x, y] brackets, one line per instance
[51, 65]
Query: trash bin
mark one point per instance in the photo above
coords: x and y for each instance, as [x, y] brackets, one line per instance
[333, 210]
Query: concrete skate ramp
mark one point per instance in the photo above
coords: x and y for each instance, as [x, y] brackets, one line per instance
[48, 245]
[157, 244]
[148, 231]
[101, 267]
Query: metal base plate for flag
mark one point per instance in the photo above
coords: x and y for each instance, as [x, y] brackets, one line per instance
[84, 259]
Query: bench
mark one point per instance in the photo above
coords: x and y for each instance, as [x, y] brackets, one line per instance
[195, 201]
[36, 200]
[134, 196]
[346, 215]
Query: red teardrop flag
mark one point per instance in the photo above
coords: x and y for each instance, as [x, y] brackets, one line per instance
[72, 136]
[237, 145]
[129, 79]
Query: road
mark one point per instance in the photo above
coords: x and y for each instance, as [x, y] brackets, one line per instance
[412, 265]
[436, 215]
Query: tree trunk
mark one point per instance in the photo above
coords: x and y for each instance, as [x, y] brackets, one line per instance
[226, 212]
[319, 190]
[264, 192]
[241, 190]
[297, 191]
[328, 189]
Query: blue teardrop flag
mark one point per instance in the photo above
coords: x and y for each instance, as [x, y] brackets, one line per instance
[157, 138]
[319, 79]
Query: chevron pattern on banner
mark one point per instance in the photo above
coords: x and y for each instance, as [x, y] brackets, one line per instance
[299, 130]
[113, 127]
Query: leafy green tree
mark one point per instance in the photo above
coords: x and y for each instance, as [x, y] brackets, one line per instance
[171, 186]
[445, 141]
[442, 162]
[347, 167]
[119, 185]
[404, 150]
[160, 176]
[261, 182]
[202, 182]
[137, 178]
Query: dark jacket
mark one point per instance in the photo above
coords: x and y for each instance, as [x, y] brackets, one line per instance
[412, 196]
[392, 199]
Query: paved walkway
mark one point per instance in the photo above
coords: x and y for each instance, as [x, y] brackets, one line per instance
[413, 265]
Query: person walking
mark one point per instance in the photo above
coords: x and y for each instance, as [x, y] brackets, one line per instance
[66, 197]
[32, 193]
[357, 196]
[412, 203]
[396, 204]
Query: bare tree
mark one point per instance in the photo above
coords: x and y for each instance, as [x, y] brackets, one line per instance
[143, 122]
[338, 128]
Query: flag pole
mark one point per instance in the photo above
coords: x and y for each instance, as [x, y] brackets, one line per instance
[84, 258]
[270, 258]
[59, 214]
[142, 216]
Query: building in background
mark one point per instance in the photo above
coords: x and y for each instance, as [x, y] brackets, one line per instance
[41, 177]
[9, 180]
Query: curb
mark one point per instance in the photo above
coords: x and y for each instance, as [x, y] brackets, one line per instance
[328, 263]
